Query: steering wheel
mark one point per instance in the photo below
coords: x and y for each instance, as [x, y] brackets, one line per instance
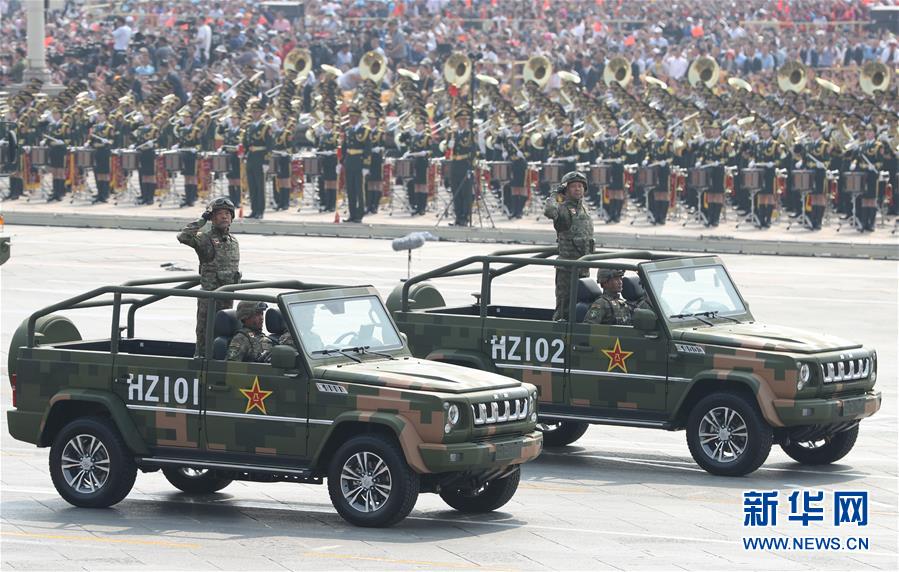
[350, 337]
[698, 302]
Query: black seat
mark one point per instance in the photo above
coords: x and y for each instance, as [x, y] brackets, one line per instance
[587, 293]
[226, 325]
[631, 289]
[274, 323]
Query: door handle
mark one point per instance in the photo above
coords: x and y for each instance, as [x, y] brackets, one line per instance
[581, 348]
[217, 387]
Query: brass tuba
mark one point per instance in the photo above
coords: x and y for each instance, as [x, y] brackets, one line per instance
[299, 61]
[457, 69]
[618, 70]
[569, 90]
[537, 69]
[373, 66]
[703, 70]
[792, 76]
[875, 76]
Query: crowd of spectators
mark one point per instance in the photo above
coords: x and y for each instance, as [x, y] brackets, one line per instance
[180, 40]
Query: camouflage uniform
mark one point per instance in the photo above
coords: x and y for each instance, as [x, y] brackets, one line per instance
[610, 309]
[219, 256]
[286, 340]
[575, 235]
[248, 345]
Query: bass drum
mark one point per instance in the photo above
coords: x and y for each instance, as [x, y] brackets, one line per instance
[52, 329]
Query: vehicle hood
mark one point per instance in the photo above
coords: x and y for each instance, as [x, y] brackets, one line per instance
[416, 374]
[756, 336]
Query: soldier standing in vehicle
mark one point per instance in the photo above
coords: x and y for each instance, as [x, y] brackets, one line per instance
[219, 256]
[610, 308]
[250, 344]
[574, 228]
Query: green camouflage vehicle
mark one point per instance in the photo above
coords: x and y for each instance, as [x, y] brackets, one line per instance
[702, 363]
[352, 405]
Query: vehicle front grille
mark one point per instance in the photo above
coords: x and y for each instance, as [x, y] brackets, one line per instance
[847, 370]
[500, 411]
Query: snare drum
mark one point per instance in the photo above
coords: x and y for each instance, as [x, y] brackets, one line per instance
[84, 157]
[500, 170]
[129, 159]
[38, 156]
[698, 178]
[219, 162]
[647, 176]
[803, 180]
[601, 175]
[171, 160]
[551, 172]
[854, 181]
[751, 179]
[312, 166]
[405, 168]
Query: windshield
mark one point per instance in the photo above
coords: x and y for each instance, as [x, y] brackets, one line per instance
[697, 290]
[344, 323]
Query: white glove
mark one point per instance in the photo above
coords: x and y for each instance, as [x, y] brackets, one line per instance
[339, 169]
[752, 164]
[365, 172]
[798, 165]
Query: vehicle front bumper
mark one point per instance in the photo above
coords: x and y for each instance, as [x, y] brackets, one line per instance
[498, 452]
[794, 412]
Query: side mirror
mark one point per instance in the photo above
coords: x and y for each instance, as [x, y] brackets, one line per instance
[284, 357]
[645, 320]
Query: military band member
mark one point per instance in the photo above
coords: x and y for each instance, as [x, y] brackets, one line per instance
[374, 162]
[574, 233]
[564, 147]
[769, 153]
[612, 149]
[354, 151]
[419, 145]
[145, 139]
[660, 155]
[516, 146]
[257, 143]
[462, 146]
[813, 154]
[283, 147]
[17, 176]
[229, 135]
[870, 158]
[711, 154]
[102, 136]
[57, 133]
[219, 255]
[187, 135]
[328, 141]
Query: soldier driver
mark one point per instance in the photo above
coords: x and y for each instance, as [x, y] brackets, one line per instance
[610, 308]
[249, 343]
[219, 256]
[574, 228]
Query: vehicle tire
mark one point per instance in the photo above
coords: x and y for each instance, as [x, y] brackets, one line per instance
[561, 433]
[823, 451]
[489, 497]
[90, 464]
[727, 434]
[370, 483]
[195, 481]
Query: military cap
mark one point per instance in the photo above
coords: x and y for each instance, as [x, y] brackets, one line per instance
[603, 275]
[246, 309]
[463, 113]
[353, 110]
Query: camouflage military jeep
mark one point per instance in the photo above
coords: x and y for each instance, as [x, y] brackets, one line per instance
[351, 404]
[702, 363]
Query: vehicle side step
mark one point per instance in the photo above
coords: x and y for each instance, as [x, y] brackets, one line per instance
[237, 471]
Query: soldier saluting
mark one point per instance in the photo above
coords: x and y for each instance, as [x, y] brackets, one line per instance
[219, 256]
[574, 228]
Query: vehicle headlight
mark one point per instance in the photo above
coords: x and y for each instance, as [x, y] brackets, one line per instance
[452, 416]
[805, 374]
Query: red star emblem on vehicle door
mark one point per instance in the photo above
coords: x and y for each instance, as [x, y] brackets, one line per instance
[255, 397]
[617, 357]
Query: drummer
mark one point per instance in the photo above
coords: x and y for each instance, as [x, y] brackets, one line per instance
[283, 145]
[228, 134]
[420, 148]
[612, 149]
[516, 145]
[564, 150]
[102, 134]
[374, 161]
[57, 134]
[660, 154]
[327, 142]
[188, 137]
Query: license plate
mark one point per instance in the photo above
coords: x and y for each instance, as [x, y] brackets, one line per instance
[853, 407]
[506, 451]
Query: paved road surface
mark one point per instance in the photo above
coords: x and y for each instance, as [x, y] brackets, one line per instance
[619, 498]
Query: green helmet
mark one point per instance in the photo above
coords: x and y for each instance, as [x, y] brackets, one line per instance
[573, 176]
[246, 309]
[221, 203]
